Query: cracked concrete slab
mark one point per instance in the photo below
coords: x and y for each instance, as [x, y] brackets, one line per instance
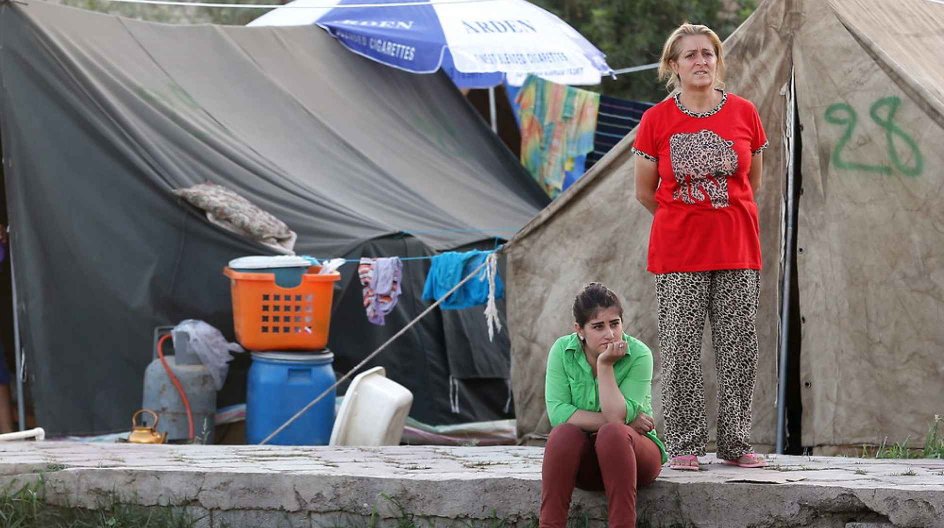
[239, 486]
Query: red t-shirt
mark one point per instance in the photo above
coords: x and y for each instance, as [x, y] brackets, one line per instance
[706, 217]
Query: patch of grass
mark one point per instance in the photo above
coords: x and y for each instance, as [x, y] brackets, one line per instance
[778, 467]
[20, 508]
[578, 519]
[27, 508]
[481, 464]
[404, 519]
[909, 473]
[933, 445]
[414, 467]
[934, 440]
[125, 516]
[497, 522]
[899, 450]
[860, 472]
[640, 523]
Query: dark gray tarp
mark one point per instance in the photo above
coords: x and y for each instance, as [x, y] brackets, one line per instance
[103, 116]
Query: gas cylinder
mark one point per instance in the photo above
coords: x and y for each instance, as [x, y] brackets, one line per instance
[161, 396]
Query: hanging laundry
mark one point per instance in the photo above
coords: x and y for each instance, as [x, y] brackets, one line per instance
[616, 118]
[380, 278]
[331, 265]
[491, 309]
[448, 269]
[557, 128]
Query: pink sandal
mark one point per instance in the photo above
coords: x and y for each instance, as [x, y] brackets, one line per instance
[748, 460]
[684, 463]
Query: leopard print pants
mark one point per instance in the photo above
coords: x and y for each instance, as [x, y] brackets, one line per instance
[729, 299]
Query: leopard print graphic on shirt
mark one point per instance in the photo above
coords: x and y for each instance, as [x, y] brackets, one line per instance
[702, 163]
[729, 300]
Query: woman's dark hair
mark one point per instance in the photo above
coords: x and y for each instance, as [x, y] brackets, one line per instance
[593, 298]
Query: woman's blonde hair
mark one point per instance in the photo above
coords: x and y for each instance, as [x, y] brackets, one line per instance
[672, 50]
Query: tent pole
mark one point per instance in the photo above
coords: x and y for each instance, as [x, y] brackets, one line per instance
[492, 111]
[788, 262]
[20, 367]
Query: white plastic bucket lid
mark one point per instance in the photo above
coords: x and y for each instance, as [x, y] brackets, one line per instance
[266, 261]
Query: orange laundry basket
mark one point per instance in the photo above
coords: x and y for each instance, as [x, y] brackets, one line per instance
[270, 317]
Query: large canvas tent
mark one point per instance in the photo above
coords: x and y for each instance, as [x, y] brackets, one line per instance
[102, 117]
[866, 164]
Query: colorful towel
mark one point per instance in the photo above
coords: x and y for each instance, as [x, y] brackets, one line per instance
[557, 127]
[381, 281]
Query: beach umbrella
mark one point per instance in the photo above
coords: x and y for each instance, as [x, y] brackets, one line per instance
[478, 43]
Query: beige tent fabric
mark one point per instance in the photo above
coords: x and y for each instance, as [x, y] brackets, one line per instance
[871, 226]
[870, 91]
[906, 44]
[596, 231]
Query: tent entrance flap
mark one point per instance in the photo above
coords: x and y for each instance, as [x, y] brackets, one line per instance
[789, 405]
[10, 352]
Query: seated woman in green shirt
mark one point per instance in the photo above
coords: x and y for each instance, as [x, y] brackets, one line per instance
[599, 400]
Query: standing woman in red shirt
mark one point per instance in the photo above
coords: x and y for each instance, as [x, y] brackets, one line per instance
[698, 164]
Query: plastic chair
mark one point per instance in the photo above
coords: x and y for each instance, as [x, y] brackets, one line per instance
[373, 412]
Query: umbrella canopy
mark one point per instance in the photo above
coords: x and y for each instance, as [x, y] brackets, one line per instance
[479, 43]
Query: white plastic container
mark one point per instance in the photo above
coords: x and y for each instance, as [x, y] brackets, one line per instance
[38, 433]
[288, 269]
[373, 411]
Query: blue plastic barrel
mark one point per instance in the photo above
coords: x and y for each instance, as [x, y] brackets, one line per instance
[282, 383]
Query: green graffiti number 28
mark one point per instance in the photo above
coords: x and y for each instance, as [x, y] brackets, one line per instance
[843, 114]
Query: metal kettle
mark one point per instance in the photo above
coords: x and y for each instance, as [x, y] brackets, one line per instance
[143, 434]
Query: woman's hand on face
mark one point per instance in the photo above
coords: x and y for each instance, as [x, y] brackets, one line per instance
[643, 423]
[612, 352]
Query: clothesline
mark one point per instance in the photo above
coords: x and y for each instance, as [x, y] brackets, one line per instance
[381, 279]
[633, 69]
[402, 259]
[483, 230]
[487, 263]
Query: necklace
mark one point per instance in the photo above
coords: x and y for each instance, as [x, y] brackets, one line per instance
[713, 111]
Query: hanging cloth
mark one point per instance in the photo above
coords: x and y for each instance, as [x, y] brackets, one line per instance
[557, 128]
[380, 278]
[448, 269]
[491, 309]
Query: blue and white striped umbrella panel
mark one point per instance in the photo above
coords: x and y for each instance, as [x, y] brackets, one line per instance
[479, 43]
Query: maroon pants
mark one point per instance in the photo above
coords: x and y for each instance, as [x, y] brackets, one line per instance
[616, 459]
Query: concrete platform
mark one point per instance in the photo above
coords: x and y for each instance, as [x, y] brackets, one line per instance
[250, 486]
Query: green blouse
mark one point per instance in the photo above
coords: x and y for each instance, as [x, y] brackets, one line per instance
[570, 384]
